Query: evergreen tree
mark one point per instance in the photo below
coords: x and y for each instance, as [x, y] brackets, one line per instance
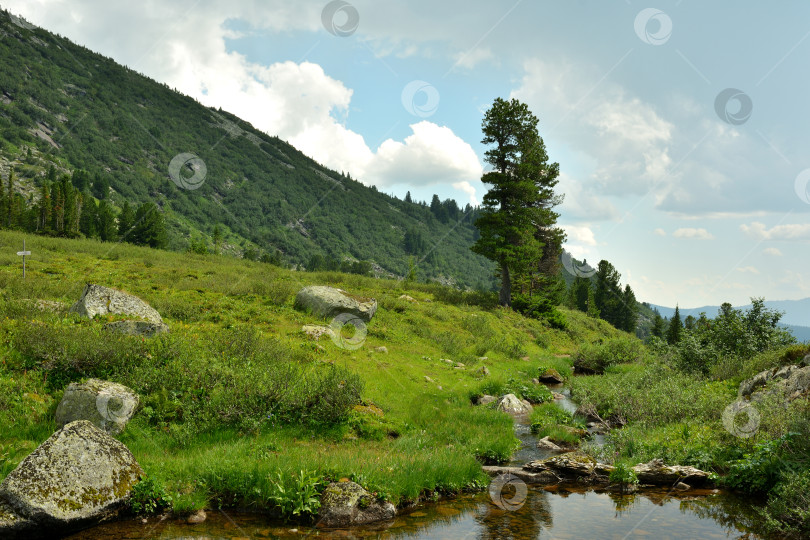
[659, 326]
[101, 187]
[519, 205]
[675, 329]
[44, 222]
[9, 204]
[89, 216]
[608, 293]
[593, 311]
[628, 311]
[81, 180]
[149, 228]
[105, 222]
[578, 295]
[217, 238]
[408, 197]
[126, 219]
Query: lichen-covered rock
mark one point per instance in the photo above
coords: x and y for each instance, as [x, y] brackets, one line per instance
[316, 331]
[486, 400]
[137, 328]
[98, 300]
[80, 476]
[657, 473]
[329, 302]
[512, 405]
[791, 381]
[574, 467]
[107, 405]
[550, 376]
[344, 504]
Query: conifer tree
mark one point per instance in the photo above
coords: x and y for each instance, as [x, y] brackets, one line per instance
[675, 329]
[126, 219]
[519, 206]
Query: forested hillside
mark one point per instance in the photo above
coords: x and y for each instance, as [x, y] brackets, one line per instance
[65, 108]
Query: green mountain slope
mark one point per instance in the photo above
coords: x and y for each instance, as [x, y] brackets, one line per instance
[63, 105]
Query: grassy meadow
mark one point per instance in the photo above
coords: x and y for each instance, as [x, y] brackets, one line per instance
[240, 408]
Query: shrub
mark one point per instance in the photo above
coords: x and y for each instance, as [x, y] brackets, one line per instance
[149, 496]
[595, 358]
[788, 510]
[760, 470]
[623, 475]
[298, 495]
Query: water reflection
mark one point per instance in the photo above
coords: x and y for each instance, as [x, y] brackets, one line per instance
[548, 513]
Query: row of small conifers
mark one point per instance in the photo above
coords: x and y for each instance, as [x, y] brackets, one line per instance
[82, 476]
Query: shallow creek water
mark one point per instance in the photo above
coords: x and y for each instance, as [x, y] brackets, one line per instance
[548, 513]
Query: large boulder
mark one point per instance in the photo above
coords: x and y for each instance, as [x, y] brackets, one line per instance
[345, 504]
[79, 477]
[512, 405]
[98, 300]
[329, 302]
[791, 381]
[107, 405]
[657, 473]
[137, 328]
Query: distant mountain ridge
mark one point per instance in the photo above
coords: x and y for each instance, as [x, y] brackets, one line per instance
[796, 316]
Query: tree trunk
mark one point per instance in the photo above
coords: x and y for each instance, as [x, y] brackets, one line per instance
[506, 287]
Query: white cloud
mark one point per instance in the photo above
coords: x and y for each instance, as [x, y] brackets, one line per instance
[580, 234]
[430, 155]
[748, 270]
[792, 232]
[688, 232]
[772, 251]
[660, 232]
[625, 138]
[467, 188]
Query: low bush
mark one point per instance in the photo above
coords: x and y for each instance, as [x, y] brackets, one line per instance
[595, 358]
[149, 496]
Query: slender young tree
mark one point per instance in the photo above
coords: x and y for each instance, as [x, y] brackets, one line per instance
[675, 329]
[659, 326]
[9, 206]
[519, 206]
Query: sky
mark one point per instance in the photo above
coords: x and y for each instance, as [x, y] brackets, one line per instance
[681, 129]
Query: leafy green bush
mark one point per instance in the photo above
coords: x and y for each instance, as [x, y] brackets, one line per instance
[595, 358]
[623, 474]
[298, 495]
[149, 496]
[787, 513]
[759, 471]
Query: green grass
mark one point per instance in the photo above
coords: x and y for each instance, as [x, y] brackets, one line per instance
[236, 394]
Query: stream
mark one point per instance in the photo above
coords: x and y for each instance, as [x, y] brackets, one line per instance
[548, 512]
